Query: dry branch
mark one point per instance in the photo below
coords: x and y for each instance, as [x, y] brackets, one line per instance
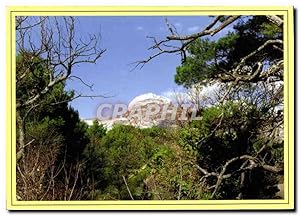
[253, 161]
[165, 46]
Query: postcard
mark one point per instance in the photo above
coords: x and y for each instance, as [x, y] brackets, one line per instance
[150, 108]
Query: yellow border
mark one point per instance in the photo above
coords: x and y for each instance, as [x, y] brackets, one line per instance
[286, 203]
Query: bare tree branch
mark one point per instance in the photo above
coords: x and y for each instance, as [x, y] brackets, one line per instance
[254, 163]
[161, 45]
[60, 52]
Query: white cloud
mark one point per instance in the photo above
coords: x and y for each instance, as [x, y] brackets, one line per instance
[193, 28]
[178, 26]
[140, 28]
[210, 90]
[172, 95]
[203, 93]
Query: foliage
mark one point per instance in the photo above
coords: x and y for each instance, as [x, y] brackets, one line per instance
[220, 156]
[198, 66]
[225, 132]
[208, 59]
[55, 134]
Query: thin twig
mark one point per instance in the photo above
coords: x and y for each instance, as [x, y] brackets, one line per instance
[127, 188]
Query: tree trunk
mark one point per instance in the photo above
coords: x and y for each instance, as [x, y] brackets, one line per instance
[21, 130]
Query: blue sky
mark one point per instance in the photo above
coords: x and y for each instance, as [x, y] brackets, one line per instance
[126, 42]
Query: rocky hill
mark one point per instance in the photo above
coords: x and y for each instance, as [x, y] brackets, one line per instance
[145, 111]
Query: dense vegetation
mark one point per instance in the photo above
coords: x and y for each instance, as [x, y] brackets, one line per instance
[234, 152]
